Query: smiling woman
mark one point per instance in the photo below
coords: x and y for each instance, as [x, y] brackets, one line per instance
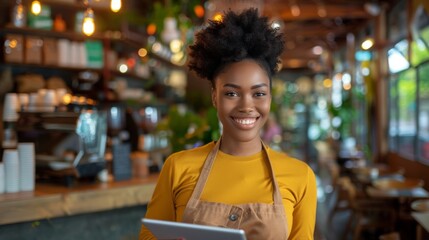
[242, 98]
[237, 181]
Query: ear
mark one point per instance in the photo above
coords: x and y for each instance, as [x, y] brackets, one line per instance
[214, 99]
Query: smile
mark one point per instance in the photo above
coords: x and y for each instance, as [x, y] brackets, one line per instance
[245, 122]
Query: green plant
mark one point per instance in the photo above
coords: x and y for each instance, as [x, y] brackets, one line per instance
[186, 128]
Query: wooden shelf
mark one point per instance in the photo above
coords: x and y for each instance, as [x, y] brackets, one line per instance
[45, 66]
[127, 75]
[71, 35]
[50, 200]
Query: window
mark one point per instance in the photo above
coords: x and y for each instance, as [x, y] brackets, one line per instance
[423, 114]
[408, 63]
[407, 112]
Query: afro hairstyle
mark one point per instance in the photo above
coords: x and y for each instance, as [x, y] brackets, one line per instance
[238, 36]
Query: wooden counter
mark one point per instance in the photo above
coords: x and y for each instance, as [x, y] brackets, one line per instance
[50, 200]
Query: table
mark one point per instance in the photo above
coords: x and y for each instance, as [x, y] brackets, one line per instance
[404, 199]
[422, 219]
[414, 193]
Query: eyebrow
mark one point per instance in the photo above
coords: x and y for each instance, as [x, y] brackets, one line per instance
[238, 87]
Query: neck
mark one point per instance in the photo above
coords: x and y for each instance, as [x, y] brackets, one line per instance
[232, 147]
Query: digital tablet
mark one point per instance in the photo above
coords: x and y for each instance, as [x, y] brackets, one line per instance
[164, 230]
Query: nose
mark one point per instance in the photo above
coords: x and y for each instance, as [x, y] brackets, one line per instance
[246, 104]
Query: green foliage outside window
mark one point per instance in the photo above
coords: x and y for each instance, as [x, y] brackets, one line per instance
[407, 94]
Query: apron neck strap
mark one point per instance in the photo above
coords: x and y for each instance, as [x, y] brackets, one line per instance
[202, 180]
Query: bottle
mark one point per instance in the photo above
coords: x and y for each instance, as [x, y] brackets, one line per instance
[19, 17]
[59, 23]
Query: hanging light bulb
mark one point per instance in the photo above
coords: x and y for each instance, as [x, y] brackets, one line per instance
[36, 7]
[115, 5]
[295, 10]
[367, 44]
[88, 26]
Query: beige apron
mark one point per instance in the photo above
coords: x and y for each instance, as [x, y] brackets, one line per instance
[258, 220]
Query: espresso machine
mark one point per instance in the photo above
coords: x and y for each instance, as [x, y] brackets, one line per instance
[69, 145]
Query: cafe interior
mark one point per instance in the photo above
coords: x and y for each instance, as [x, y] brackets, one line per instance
[95, 94]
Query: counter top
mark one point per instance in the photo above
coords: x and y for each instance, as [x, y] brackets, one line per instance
[51, 200]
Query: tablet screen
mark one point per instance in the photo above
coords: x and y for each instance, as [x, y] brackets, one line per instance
[186, 231]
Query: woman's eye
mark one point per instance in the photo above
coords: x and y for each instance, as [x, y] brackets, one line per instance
[231, 94]
[260, 94]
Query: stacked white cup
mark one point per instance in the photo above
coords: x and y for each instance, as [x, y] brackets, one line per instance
[50, 100]
[26, 166]
[33, 102]
[11, 107]
[11, 168]
[23, 100]
[2, 178]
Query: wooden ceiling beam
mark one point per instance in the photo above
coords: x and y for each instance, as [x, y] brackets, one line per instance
[309, 11]
[317, 31]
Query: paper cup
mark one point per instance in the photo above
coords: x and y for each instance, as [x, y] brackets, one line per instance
[11, 169]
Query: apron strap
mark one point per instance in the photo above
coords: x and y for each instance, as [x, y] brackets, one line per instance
[208, 163]
[276, 190]
[202, 179]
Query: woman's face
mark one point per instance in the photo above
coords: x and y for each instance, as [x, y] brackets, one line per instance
[242, 98]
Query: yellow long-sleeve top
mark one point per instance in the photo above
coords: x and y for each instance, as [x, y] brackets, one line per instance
[236, 180]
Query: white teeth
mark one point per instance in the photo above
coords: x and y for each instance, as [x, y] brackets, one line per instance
[246, 121]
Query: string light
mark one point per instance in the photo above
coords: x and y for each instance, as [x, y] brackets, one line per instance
[36, 7]
[115, 5]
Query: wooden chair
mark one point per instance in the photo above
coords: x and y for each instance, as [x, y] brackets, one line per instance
[368, 214]
[340, 194]
[339, 197]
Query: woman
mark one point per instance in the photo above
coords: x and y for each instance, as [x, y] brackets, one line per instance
[237, 181]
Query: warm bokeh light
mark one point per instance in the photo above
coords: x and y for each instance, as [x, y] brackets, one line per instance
[123, 68]
[131, 62]
[367, 44]
[67, 99]
[347, 86]
[176, 45]
[115, 5]
[151, 29]
[176, 58]
[13, 43]
[142, 52]
[327, 83]
[199, 11]
[36, 7]
[88, 27]
[295, 10]
[156, 47]
[218, 17]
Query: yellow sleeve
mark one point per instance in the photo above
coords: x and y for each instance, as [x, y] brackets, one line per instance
[304, 214]
[161, 206]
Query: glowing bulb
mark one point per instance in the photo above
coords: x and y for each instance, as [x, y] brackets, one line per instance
[88, 26]
[367, 44]
[115, 5]
[142, 52]
[176, 45]
[36, 7]
[123, 68]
